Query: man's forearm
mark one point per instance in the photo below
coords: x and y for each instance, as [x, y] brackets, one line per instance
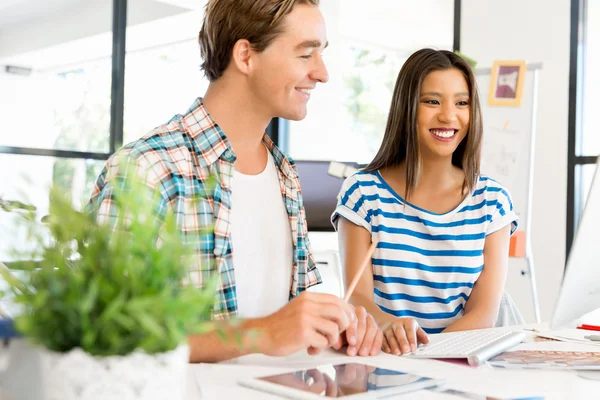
[229, 340]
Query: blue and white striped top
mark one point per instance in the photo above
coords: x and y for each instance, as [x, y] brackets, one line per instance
[425, 264]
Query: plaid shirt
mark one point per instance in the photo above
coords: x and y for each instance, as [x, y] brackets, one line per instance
[177, 159]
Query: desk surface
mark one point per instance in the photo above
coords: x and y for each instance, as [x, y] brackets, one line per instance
[211, 381]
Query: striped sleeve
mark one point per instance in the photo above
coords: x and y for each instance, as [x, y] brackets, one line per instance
[351, 204]
[503, 214]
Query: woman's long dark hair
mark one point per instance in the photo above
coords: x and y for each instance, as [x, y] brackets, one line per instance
[401, 142]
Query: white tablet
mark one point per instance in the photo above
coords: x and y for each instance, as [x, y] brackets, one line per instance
[348, 381]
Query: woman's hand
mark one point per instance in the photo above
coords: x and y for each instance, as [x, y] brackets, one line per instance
[402, 335]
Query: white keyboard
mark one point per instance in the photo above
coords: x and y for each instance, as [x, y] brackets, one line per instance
[476, 346]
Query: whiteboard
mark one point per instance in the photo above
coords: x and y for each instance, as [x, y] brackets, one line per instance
[507, 154]
[509, 140]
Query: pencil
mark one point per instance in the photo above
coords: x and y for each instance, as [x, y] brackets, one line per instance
[364, 265]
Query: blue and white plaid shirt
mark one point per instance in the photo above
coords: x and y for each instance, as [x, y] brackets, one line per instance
[178, 160]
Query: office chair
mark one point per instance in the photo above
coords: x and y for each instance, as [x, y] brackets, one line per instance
[508, 314]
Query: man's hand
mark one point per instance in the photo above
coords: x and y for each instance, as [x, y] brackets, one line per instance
[402, 336]
[362, 336]
[310, 321]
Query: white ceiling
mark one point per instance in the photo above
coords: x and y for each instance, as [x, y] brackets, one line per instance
[66, 30]
[16, 11]
[43, 26]
[13, 12]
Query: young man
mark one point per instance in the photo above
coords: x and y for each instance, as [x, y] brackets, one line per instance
[263, 59]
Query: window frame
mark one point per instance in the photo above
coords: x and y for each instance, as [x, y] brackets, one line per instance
[119, 28]
[575, 160]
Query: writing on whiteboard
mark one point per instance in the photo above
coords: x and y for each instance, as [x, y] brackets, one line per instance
[501, 150]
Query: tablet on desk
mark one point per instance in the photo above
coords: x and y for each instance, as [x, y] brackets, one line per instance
[350, 381]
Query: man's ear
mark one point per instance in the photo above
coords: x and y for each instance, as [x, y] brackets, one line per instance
[241, 56]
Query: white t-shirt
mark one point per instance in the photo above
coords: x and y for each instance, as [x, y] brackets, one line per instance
[261, 240]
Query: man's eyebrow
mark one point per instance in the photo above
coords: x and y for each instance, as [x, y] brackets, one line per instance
[311, 44]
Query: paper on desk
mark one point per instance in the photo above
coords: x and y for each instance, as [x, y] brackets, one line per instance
[220, 381]
[475, 396]
[296, 360]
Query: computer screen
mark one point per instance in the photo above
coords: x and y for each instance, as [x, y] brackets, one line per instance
[319, 191]
[580, 291]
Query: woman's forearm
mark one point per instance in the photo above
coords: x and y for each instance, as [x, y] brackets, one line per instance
[472, 320]
[380, 316]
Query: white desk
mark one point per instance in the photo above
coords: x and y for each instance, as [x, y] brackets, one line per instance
[214, 381]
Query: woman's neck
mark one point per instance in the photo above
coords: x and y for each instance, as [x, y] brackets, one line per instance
[435, 174]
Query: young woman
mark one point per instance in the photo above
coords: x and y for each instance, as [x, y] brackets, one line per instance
[442, 229]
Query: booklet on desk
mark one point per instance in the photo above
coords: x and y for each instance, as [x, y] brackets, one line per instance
[569, 335]
[547, 359]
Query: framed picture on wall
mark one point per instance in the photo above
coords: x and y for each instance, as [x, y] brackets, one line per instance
[506, 84]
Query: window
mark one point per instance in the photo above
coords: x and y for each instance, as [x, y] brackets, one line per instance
[55, 101]
[589, 141]
[162, 68]
[368, 45]
[29, 181]
[586, 173]
[584, 139]
[61, 118]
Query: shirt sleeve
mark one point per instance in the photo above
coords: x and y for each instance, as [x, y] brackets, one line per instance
[503, 214]
[313, 277]
[114, 176]
[351, 205]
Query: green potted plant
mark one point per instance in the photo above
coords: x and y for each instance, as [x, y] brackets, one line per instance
[106, 304]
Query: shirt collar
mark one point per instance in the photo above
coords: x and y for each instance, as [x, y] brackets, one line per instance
[283, 162]
[211, 141]
[214, 144]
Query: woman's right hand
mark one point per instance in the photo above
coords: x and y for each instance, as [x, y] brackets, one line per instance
[402, 335]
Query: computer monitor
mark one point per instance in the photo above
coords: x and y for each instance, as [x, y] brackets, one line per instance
[580, 291]
[319, 191]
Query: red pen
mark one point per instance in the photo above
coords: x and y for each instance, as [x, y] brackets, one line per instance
[589, 327]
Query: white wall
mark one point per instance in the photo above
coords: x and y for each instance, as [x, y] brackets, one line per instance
[537, 31]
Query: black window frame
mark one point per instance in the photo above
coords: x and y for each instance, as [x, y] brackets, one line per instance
[575, 125]
[119, 28]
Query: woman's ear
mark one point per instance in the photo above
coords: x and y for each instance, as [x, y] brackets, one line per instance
[240, 57]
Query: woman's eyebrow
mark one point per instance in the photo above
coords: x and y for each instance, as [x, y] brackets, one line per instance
[437, 94]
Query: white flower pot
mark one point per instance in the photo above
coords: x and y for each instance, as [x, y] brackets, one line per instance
[78, 375]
